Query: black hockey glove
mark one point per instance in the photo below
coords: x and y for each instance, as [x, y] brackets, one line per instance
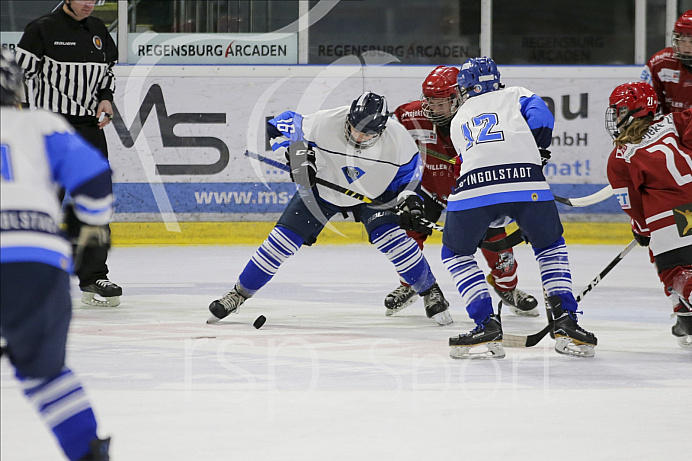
[90, 236]
[301, 161]
[641, 239]
[545, 156]
[411, 213]
[82, 235]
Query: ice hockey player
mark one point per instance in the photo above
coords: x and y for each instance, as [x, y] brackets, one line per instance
[498, 132]
[40, 153]
[650, 171]
[427, 121]
[359, 148]
[670, 70]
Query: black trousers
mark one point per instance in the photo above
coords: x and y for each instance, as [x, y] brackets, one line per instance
[93, 265]
[88, 128]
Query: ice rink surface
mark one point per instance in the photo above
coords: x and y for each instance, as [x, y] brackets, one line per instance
[329, 377]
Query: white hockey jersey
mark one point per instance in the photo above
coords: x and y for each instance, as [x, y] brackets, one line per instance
[39, 154]
[495, 136]
[392, 163]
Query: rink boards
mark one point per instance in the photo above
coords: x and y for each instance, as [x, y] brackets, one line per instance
[179, 135]
[338, 233]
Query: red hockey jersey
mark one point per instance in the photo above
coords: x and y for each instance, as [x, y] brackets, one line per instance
[435, 146]
[652, 181]
[671, 79]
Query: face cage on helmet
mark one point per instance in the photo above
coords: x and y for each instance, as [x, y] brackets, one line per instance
[438, 117]
[463, 96]
[686, 59]
[611, 120]
[359, 145]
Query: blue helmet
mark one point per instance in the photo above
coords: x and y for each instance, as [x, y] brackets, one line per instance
[478, 76]
[368, 115]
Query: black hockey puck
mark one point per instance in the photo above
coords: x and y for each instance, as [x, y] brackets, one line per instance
[259, 321]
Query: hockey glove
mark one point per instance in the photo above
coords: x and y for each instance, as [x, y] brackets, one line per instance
[90, 236]
[545, 156]
[642, 240]
[412, 211]
[301, 161]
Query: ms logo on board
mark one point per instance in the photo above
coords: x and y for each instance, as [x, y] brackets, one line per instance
[352, 173]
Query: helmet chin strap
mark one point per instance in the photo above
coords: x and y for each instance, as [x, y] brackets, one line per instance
[69, 7]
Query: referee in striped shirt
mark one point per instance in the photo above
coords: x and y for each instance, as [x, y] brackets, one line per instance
[68, 58]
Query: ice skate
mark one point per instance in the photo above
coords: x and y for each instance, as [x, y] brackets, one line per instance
[570, 338]
[519, 302]
[399, 299]
[229, 304]
[99, 450]
[483, 342]
[108, 293]
[436, 306]
[682, 330]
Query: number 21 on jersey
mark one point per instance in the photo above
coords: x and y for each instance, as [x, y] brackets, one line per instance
[483, 126]
[670, 149]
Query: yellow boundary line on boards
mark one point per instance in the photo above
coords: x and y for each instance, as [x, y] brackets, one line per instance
[254, 233]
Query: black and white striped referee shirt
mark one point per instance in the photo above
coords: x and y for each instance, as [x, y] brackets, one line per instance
[69, 62]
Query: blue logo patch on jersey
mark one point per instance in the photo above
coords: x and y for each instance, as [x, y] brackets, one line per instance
[352, 173]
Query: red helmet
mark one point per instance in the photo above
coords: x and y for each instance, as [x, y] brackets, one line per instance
[684, 23]
[683, 32]
[627, 102]
[441, 98]
[441, 82]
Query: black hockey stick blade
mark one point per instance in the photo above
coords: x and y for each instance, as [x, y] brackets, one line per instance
[535, 338]
[525, 340]
[566, 201]
[528, 340]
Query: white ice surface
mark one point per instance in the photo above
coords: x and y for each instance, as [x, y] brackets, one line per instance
[329, 377]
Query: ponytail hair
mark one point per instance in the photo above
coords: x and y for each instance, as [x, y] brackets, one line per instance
[635, 131]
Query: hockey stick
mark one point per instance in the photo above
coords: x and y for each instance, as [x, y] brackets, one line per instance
[673, 291]
[497, 246]
[532, 340]
[592, 199]
[335, 187]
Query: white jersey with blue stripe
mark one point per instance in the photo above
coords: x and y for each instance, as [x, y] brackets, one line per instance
[497, 136]
[40, 154]
[392, 163]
